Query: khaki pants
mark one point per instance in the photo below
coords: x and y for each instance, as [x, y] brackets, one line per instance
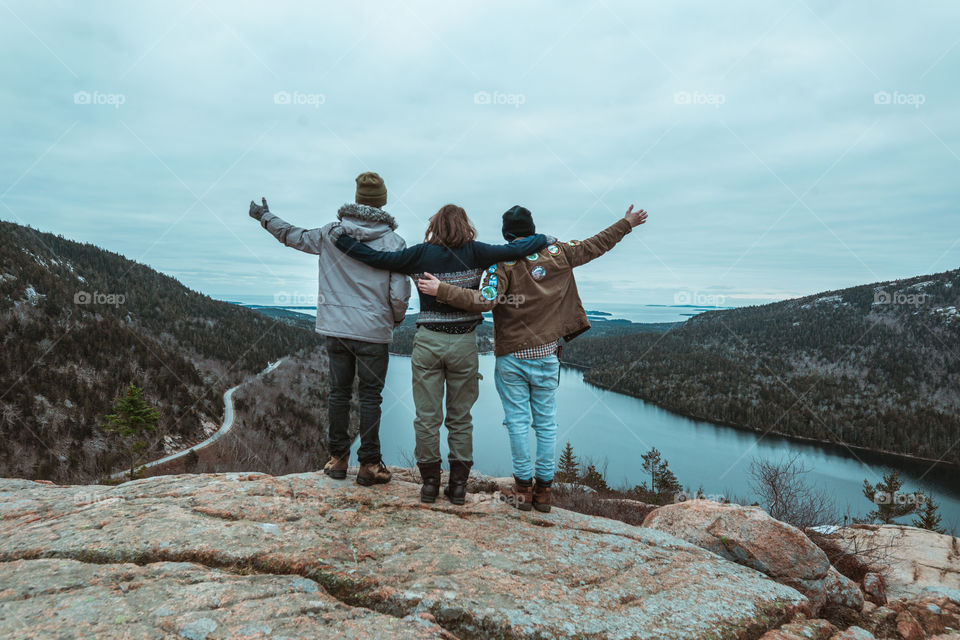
[438, 360]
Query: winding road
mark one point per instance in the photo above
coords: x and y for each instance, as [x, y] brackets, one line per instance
[223, 430]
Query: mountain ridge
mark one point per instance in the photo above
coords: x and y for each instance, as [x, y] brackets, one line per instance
[867, 366]
[79, 323]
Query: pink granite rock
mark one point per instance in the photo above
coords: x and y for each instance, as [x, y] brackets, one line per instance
[749, 536]
[378, 558]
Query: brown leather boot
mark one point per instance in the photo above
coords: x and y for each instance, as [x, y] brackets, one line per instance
[542, 496]
[520, 496]
[336, 467]
[373, 473]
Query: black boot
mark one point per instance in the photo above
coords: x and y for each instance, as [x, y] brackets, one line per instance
[457, 487]
[430, 474]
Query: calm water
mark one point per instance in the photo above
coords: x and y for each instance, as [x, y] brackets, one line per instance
[615, 429]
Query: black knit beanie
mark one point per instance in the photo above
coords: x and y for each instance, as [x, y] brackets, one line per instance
[518, 223]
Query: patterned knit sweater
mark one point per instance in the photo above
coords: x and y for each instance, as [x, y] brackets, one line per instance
[461, 267]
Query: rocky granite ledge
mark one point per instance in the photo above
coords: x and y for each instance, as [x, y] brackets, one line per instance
[256, 556]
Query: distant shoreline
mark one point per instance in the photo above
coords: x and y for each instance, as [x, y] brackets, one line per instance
[842, 445]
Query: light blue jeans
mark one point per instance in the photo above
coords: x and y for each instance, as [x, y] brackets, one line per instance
[528, 391]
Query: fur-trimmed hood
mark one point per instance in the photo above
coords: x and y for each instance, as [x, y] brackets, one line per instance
[366, 220]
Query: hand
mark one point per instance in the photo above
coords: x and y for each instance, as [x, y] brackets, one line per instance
[635, 218]
[257, 211]
[336, 231]
[428, 284]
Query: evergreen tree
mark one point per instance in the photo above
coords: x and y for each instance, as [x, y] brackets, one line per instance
[568, 468]
[664, 485]
[929, 516]
[890, 502]
[132, 419]
[594, 479]
[668, 485]
[651, 464]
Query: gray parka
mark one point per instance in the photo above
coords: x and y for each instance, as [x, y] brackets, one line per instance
[354, 301]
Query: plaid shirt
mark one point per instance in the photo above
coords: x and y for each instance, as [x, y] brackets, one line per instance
[538, 352]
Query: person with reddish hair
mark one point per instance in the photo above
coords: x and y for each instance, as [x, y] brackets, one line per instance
[445, 357]
[535, 307]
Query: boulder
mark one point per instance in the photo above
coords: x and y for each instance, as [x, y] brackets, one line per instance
[227, 555]
[853, 633]
[908, 628]
[749, 536]
[874, 588]
[934, 611]
[802, 630]
[911, 559]
[55, 597]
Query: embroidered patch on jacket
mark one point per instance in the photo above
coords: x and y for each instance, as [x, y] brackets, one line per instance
[510, 263]
[573, 243]
[532, 257]
[488, 293]
[493, 281]
[538, 273]
[553, 249]
[492, 268]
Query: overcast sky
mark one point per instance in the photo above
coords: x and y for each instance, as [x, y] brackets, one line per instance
[781, 148]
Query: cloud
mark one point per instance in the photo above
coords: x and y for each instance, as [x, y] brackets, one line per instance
[752, 137]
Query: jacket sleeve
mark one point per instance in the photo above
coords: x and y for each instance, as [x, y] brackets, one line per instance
[592, 248]
[490, 293]
[402, 261]
[306, 240]
[487, 254]
[399, 295]
[399, 291]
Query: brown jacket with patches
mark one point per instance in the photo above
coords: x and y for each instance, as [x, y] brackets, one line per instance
[535, 299]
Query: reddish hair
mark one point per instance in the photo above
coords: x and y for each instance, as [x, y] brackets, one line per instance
[450, 227]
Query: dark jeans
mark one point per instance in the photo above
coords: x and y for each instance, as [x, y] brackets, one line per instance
[366, 361]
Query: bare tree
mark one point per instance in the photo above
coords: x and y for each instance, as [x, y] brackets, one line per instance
[788, 497]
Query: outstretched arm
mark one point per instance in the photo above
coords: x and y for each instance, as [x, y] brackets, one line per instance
[594, 247]
[403, 261]
[488, 254]
[306, 240]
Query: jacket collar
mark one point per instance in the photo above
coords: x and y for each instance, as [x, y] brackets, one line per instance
[368, 213]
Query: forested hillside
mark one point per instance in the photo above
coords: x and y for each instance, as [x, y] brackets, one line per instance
[876, 366]
[79, 323]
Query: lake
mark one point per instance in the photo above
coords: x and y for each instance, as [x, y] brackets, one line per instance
[615, 430]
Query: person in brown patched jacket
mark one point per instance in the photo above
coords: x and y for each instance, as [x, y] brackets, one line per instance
[535, 305]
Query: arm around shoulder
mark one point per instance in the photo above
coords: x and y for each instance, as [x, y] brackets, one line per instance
[463, 298]
[402, 261]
